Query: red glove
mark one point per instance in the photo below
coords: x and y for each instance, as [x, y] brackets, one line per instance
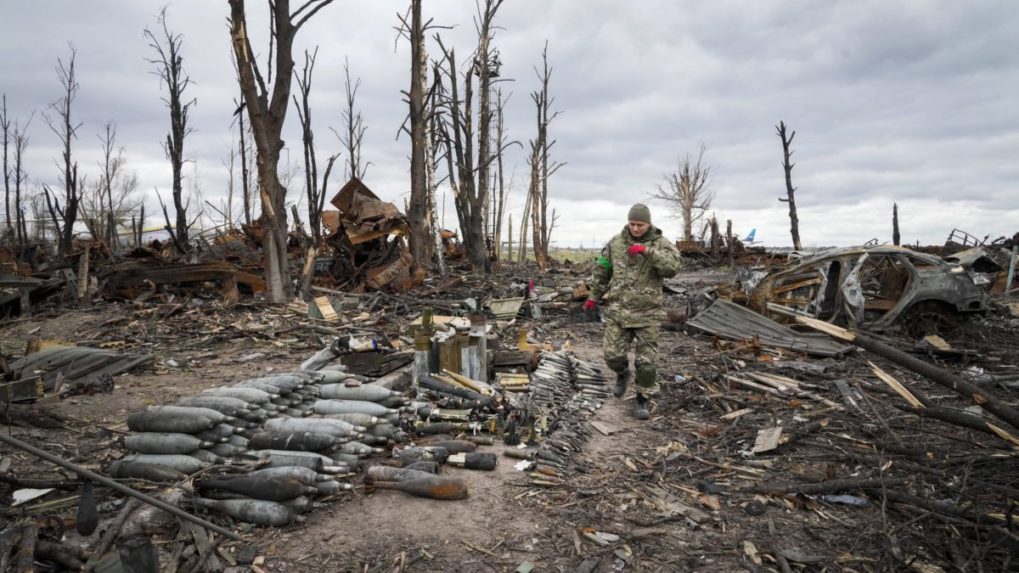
[590, 304]
[635, 250]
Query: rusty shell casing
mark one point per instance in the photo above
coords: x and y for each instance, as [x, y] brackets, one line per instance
[123, 469]
[430, 467]
[300, 441]
[164, 443]
[389, 473]
[357, 419]
[180, 462]
[332, 487]
[474, 461]
[250, 395]
[260, 487]
[257, 511]
[215, 415]
[324, 407]
[207, 456]
[150, 421]
[451, 446]
[366, 392]
[433, 487]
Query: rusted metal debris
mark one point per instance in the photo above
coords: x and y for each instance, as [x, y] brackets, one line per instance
[735, 322]
[76, 369]
[366, 237]
[873, 287]
[131, 279]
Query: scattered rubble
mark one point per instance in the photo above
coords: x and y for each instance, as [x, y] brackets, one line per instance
[888, 442]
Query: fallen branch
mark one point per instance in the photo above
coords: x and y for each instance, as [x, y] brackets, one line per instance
[958, 418]
[829, 486]
[111, 533]
[980, 397]
[40, 483]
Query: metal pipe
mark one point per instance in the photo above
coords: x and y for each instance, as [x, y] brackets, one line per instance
[14, 442]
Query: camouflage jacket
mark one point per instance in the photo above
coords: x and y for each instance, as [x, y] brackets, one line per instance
[631, 287]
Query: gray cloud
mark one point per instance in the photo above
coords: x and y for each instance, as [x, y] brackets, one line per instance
[907, 102]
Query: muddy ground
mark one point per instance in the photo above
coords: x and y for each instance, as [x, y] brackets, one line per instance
[680, 492]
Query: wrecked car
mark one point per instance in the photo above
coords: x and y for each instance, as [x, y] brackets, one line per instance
[875, 287]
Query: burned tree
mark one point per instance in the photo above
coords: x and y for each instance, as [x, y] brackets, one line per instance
[20, 178]
[499, 180]
[170, 69]
[111, 198]
[422, 245]
[267, 112]
[895, 224]
[61, 123]
[243, 148]
[5, 134]
[471, 196]
[354, 128]
[787, 165]
[316, 192]
[687, 192]
[541, 169]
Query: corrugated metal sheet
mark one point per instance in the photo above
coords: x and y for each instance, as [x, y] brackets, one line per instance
[732, 321]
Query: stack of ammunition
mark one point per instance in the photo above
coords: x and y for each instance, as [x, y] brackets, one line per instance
[308, 429]
[565, 393]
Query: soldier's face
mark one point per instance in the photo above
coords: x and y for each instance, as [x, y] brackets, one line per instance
[638, 228]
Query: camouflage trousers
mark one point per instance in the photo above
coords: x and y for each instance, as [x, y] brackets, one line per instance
[645, 341]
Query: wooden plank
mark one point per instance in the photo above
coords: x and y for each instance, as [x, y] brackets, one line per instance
[325, 309]
[937, 342]
[767, 439]
[736, 414]
[896, 385]
[606, 429]
[27, 389]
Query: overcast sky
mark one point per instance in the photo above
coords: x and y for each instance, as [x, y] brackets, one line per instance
[908, 102]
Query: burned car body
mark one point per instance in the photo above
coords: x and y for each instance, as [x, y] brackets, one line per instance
[874, 287]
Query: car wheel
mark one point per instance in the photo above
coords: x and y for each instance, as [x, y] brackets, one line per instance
[930, 317]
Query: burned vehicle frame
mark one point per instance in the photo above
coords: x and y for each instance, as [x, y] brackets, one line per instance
[875, 287]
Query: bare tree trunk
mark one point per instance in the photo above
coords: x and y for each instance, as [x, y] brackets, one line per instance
[537, 230]
[20, 177]
[509, 237]
[355, 128]
[728, 240]
[105, 187]
[231, 186]
[541, 168]
[431, 140]
[500, 202]
[895, 224]
[421, 234]
[524, 219]
[5, 127]
[687, 192]
[315, 194]
[787, 165]
[471, 199]
[486, 67]
[169, 66]
[267, 113]
[66, 130]
[243, 142]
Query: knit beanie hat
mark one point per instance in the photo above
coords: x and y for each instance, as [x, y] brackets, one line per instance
[639, 212]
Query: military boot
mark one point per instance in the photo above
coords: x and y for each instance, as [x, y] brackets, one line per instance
[641, 410]
[621, 380]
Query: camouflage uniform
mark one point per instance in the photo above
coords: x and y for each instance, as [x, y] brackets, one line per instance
[631, 289]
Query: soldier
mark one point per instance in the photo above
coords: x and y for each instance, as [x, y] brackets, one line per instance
[628, 279]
